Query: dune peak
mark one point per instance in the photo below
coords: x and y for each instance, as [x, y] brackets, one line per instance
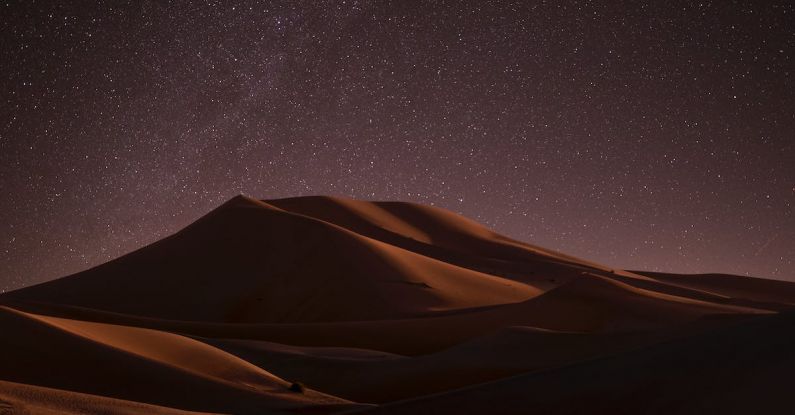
[407, 304]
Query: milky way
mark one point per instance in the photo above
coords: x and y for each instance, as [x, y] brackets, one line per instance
[646, 136]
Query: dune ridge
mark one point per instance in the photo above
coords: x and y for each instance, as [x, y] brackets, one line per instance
[388, 307]
[276, 274]
[139, 365]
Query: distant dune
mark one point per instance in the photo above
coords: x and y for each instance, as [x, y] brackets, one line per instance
[328, 305]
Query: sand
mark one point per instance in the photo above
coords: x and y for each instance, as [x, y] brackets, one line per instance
[385, 307]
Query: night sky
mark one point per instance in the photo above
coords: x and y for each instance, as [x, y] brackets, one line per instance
[656, 136]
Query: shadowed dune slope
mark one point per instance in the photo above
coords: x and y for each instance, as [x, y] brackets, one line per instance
[367, 376]
[741, 369]
[387, 307]
[589, 304]
[446, 236]
[735, 286]
[428, 229]
[141, 365]
[251, 262]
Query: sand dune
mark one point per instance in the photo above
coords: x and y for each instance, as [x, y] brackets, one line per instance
[410, 307]
[21, 399]
[587, 304]
[250, 262]
[141, 365]
[436, 227]
[369, 376]
[734, 286]
[741, 369]
[440, 234]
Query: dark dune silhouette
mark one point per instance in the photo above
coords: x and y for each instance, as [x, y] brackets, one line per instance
[327, 305]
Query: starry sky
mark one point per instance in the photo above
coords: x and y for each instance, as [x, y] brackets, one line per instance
[645, 135]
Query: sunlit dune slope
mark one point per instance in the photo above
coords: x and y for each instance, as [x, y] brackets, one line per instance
[426, 229]
[387, 307]
[140, 365]
[248, 261]
[589, 303]
[18, 398]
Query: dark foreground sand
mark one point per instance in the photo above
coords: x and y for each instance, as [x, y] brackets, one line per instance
[387, 307]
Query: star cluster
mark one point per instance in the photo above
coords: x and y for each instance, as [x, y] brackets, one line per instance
[645, 135]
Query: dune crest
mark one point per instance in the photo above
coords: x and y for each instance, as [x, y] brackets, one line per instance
[325, 305]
